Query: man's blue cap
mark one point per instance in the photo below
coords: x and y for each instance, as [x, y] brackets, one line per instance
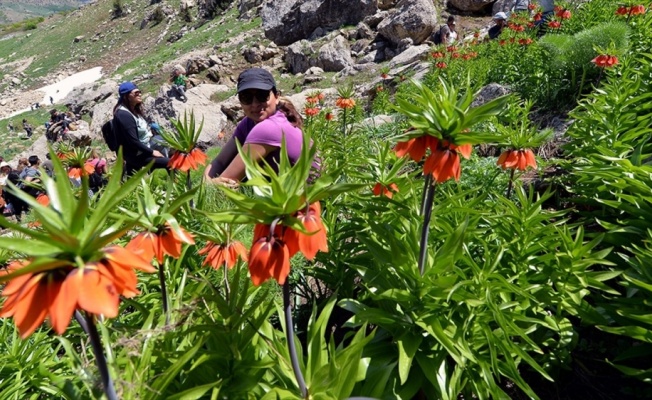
[126, 88]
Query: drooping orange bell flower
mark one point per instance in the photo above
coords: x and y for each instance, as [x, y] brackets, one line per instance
[311, 111]
[312, 242]
[387, 191]
[58, 292]
[444, 161]
[416, 147]
[43, 199]
[269, 258]
[183, 162]
[78, 172]
[345, 103]
[637, 10]
[605, 61]
[218, 255]
[150, 245]
[554, 24]
[517, 159]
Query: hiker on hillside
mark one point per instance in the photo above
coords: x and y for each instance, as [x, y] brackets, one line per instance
[10, 126]
[500, 20]
[446, 34]
[132, 131]
[28, 128]
[57, 127]
[22, 164]
[268, 119]
[179, 81]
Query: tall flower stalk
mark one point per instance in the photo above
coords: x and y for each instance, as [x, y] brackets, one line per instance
[187, 156]
[286, 214]
[518, 136]
[442, 122]
[162, 235]
[69, 266]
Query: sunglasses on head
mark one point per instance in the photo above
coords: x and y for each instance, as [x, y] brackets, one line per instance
[247, 97]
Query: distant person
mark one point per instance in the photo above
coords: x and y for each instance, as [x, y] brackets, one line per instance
[10, 126]
[179, 81]
[28, 128]
[547, 11]
[48, 166]
[22, 164]
[51, 100]
[448, 31]
[132, 132]
[500, 21]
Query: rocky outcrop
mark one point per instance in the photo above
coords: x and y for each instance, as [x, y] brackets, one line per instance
[299, 56]
[335, 55]
[287, 21]
[411, 19]
[82, 99]
[471, 5]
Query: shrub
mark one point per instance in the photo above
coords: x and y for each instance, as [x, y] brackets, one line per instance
[118, 8]
[158, 15]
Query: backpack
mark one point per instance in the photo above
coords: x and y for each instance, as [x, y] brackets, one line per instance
[109, 135]
[437, 36]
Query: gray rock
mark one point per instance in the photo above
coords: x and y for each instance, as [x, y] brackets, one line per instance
[314, 71]
[232, 109]
[373, 20]
[386, 4]
[287, 21]
[414, 19]
[213, 73]
[244, 6]
[471, 5]
[300, 56]
[363, 31]
[78, 39]
[335, 55]
[360, 45]
[374, 56]
[83, 98]
[490, 92]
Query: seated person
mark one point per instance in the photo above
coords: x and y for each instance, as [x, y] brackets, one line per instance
[500, 19]
[268, 118]
[179, 81]
[132, 132]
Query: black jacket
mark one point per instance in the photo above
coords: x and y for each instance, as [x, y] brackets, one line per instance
[126, 134]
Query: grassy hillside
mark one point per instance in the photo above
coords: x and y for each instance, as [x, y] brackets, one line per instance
[14, 11]
[115, 44]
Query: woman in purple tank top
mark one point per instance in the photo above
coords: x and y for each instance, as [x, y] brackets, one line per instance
[268, 119]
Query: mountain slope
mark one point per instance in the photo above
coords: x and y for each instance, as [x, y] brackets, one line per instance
[14, 11]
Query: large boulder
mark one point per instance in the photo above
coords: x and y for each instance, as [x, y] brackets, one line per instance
[335, 55]
[199, 102]
[412, 54]
[245, 5]
[508, 5]
[287, 21]
[413, 19]
[83, 98]
[471, 5]
[300, 56]
[101, 112]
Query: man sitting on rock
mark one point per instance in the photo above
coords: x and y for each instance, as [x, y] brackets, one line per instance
[500, 19]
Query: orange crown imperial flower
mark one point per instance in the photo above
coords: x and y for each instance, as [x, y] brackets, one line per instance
[517, 159]
[218, 255]
[637, 10]
[344, 103]
[605, 61]
[57, 293]
[311, 111]
[181, 161]
[270, 252]
[167, 241]
[383, 190]
[78, 172]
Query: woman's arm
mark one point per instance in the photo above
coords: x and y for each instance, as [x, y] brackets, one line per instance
[236, 169]
[223, 159]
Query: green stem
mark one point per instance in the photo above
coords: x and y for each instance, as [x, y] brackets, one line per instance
[93, 335]
[289, 328]
[164, 293]
[427, 182]
[511, 183]
[189, 186]
[425, 231]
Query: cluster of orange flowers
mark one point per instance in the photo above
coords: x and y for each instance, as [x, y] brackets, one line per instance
[605, 61]
[311, 111]
[218, 255]
[385, 190]
[633, 10]
[166, 241]
[344, 103]
[318, 97]
[78, 172]
[56, 293]
[270, 252]
[562, 13]
[182, 161]
[443, 162]
[517, 159]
